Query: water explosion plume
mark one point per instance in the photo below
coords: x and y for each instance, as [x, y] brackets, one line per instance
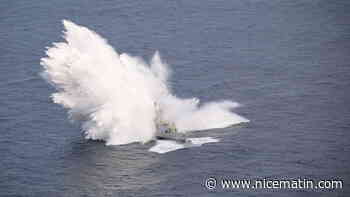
[114, 96]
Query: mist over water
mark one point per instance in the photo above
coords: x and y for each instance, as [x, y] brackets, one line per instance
[113, 95]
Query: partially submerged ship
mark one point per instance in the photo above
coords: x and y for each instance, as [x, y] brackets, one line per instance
[167, 130]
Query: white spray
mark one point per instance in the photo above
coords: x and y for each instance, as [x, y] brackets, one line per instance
[114, 96]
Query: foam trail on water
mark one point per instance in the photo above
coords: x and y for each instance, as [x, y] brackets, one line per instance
[164, 146]
[113, 95]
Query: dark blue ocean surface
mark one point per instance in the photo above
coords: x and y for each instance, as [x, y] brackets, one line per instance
[287, 62]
